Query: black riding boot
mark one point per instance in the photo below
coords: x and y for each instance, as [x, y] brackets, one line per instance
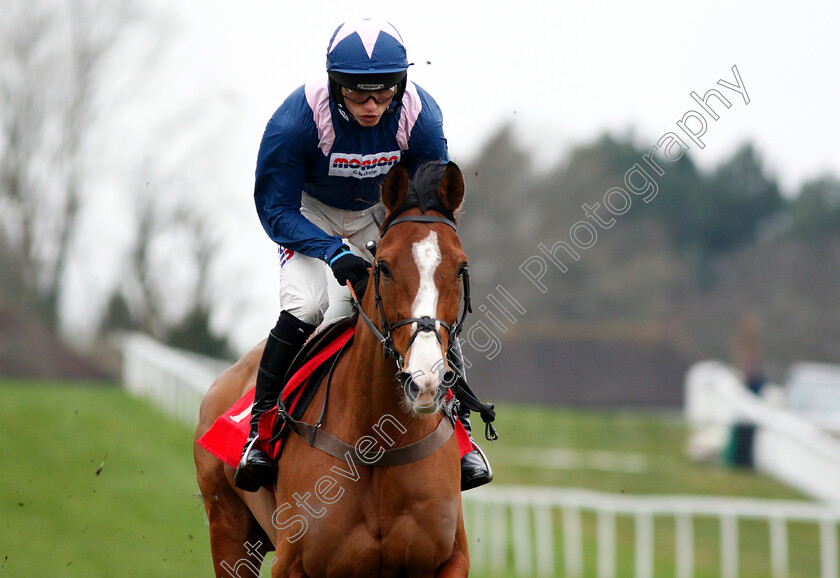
[475, 468]
[256, 468]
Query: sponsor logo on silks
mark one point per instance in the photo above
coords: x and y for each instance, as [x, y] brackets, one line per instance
[362, 166]
[285, 254]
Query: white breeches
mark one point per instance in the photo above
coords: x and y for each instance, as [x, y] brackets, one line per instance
[308, 289]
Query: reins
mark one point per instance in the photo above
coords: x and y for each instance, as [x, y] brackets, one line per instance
[425, 323]
[333, 446]
[464, 393]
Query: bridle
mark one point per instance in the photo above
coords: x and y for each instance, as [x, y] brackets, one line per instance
[463, 393]
[425, 324]
[326, 442]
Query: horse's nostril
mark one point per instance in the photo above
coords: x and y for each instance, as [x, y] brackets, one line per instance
[413, 389]
[449, 377]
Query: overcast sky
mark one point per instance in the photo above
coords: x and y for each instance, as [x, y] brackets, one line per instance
[561, 73]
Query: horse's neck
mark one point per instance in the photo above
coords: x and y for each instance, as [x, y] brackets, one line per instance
[373, 394]
[375, 390]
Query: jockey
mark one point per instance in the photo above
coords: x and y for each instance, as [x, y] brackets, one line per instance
[322, 160]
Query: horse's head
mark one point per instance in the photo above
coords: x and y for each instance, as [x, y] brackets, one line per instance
[418, 275]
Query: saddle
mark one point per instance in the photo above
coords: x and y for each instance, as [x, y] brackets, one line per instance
[319, 340]
[227, 435]
[306, 373]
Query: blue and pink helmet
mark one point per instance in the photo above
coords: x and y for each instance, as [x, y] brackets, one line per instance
[366, 54]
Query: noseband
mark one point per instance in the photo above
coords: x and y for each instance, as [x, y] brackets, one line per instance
[425, 324]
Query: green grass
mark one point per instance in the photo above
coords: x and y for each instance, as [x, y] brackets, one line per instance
[140, 515]
[658, 439]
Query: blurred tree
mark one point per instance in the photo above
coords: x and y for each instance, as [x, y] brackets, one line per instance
[118, 316]
[513, 207]
[632, 271]
[736, 201]
[496, 206]
[68, 71]
[676, 203]
[194, 333]
[815, 212]
[137, 291]
[170, 239]
[590, 170]
[53, 54]
[711, 215]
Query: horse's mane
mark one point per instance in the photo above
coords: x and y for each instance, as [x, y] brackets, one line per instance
[423, 193]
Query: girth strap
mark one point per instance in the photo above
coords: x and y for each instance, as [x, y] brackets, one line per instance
[331, 445]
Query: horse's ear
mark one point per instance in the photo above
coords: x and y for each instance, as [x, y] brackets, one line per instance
[451, 189]
[395, 187]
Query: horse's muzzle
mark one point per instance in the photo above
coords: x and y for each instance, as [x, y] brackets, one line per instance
[423, 396]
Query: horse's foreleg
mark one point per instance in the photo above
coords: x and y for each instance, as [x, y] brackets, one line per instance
[285, 568]
[458, 564]
[456, 567]
[237, 542]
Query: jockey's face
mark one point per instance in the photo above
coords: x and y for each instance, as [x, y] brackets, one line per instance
[369, 112]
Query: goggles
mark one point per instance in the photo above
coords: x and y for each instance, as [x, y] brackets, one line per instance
[362, 96]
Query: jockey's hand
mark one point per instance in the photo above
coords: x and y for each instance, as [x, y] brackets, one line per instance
[360, 287]
[349, 267]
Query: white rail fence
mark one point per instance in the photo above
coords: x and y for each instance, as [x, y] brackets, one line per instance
[174, 380]
[513, 529]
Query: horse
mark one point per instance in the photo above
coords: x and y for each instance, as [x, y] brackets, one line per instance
[364, 514]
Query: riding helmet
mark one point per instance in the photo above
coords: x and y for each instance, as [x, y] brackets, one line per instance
[366, 54]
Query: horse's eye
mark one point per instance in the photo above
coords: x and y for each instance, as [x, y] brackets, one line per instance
[385, 269]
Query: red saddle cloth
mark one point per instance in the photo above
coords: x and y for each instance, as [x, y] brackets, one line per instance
[226, 437]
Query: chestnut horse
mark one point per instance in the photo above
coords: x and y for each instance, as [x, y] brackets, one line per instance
[361, 515]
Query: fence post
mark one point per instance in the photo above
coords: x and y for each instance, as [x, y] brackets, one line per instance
[728, 546]
[828, 547]
[544, 538]
[778, 546]
[644, 544]
[685, 545]
[572, 542]
[606, 543]
[522, 551]
[477, 530]
[498, 539]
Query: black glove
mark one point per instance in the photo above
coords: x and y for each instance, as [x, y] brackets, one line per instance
[349, 267]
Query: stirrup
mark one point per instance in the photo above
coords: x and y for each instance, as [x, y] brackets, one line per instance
[478, 480]
[250, 476]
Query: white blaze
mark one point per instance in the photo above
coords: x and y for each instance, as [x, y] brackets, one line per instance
[425, 361]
